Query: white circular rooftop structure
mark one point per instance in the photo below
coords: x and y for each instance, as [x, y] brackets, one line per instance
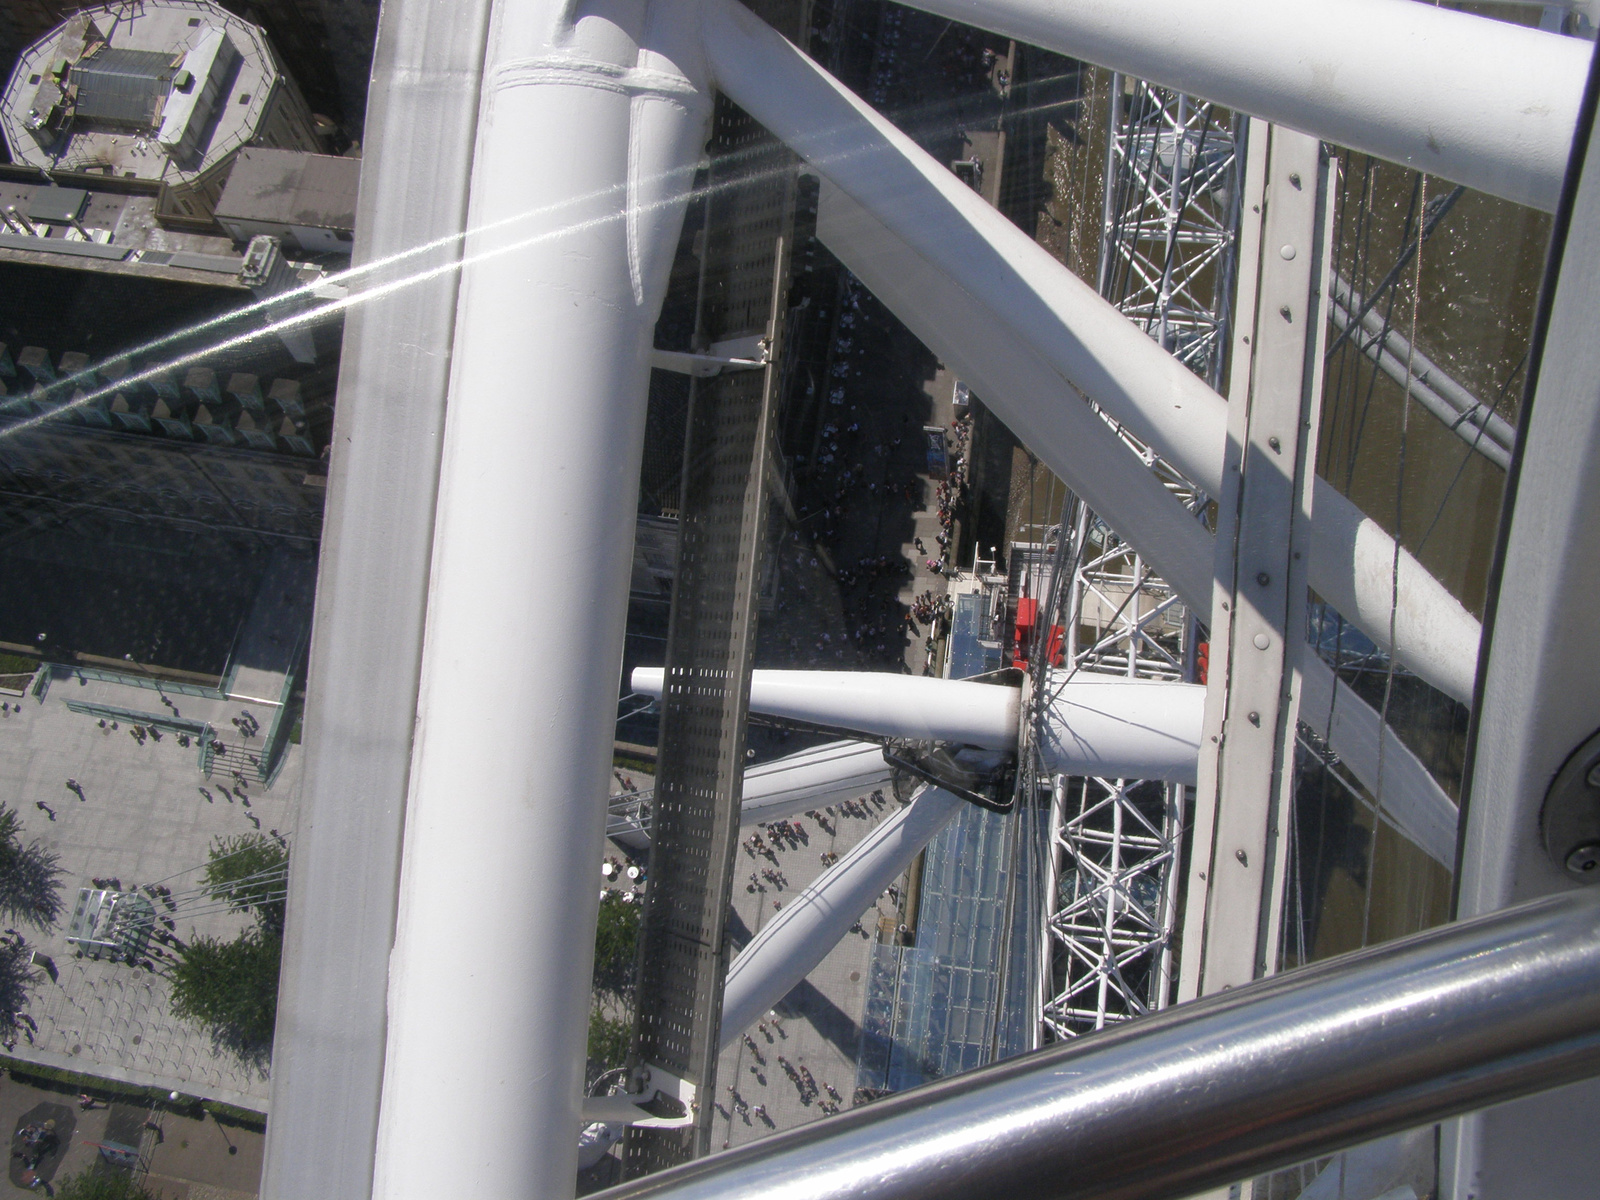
[165, 91]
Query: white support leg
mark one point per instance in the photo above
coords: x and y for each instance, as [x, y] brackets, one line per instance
[590, 130]
[810, 925]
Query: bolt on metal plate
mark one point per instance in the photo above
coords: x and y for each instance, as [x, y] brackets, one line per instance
[1570, 819]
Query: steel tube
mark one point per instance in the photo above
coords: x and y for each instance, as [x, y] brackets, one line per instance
[880, 703]
[811, 924]
[1479, 102]
[1267, 1075]
[1469, 418]
[592, 123]
[1122, 728]
[366, 649]
[813, 778]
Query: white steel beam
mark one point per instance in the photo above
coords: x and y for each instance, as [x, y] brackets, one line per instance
[813, 778]
[1479, 102]
[1471, 420]
[592, 123]
[1097, 725]
[1012, 288]
[808, 926]
[1086, 455]
[879, 703]
[366, 647]
[1351, 555]
[1236, 873]
[1541, 704]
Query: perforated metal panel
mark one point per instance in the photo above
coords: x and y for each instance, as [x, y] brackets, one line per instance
[711, 635]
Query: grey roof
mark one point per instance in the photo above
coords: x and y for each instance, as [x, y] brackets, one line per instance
[53, 245]
[58, 205]
[291, 187]
[122, 87]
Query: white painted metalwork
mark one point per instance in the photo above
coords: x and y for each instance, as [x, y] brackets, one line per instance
[565, 265]
[1480, 102]
[1469, 418]
[567, 258]
[1541, 705]
[813, 778]
[1171, 201]
[1093, 725]
[1233, 894]
[1029, 336]
[1111, 907]
[361, 689]
[1134, 619]
[878, 703]
[783, 787]
[1167, 261]
[798, 937]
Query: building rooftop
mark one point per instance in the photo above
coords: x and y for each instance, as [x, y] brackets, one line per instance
[291, 187]
[162, 91]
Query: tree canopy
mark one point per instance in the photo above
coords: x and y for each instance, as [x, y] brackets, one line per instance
[29, 887]
[231, 987]
[249, 872]
[616, 946]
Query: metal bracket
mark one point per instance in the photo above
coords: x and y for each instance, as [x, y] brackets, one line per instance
[662, 1084]
[943, 769]
[1570, 819]
[738, 354]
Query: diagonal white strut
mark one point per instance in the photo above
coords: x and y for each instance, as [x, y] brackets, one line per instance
[797, 938]
[945, 248]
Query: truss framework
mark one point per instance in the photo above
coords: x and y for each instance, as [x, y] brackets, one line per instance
[1168, 262]
[1113, 847]
[1171, 219]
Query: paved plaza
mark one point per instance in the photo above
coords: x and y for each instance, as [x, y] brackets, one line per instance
[146, 813]
[817, 1030]
[188, 1158]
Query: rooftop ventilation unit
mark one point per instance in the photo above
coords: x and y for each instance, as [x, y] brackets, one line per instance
[121, 88]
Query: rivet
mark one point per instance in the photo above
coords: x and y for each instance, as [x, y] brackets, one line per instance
[1285, 313]
[1277, 446]
[1294, 178]
[1287, 252]
[1262, 641]
[1263, 578]
[1584, 861]
[1244, 859]
[1255, 719]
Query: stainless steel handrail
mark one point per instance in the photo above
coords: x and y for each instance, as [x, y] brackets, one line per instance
[1270, 1074]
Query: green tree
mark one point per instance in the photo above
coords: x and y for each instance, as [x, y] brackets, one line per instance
[231, 987]
[17, 977]
[609, 1040]
[100, 1182]
[249, 872]
[29, 888]
[616, 947]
